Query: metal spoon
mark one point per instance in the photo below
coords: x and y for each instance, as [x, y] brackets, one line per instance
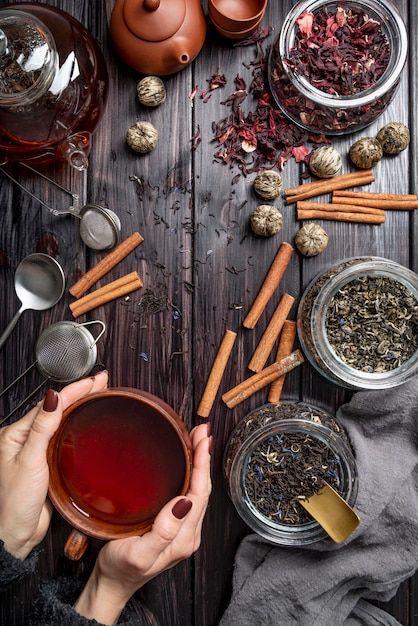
[39, 284]
[331, 512]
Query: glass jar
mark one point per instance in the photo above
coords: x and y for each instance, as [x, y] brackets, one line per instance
[264, 433]
[339, 102]
[53, 86]
[358, 323]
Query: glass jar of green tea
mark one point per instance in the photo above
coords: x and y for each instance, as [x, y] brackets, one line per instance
[358, 323]
[279, 453]
[336, 66]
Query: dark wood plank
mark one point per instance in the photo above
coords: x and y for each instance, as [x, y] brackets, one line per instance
[201, 269]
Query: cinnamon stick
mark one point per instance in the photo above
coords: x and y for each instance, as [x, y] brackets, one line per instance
[287, 339]
[216, 374]
[266, 343]
[269, 285]
[319, 187]
[106, 264]
[341, 216]
[402, 197]
[251, 385]
[376, 203]
[331, 206]
[117, 288]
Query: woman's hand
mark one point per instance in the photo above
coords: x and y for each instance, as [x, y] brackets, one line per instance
[25, 511]
[125, 565]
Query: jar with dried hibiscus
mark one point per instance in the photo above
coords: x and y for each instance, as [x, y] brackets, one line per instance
[282, 452]
[336, 66]
[358, 323]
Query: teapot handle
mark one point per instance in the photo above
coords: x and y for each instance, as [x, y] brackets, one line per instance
[76, 545]
[75, 150]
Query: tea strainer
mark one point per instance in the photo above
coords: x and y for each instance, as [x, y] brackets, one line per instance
[65, 352]
[99, 227]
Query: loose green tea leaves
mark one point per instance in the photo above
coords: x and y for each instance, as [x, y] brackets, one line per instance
[284, 467]
[372, 324]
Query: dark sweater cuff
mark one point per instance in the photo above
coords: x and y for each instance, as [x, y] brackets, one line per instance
[54, 606]
[13, 569]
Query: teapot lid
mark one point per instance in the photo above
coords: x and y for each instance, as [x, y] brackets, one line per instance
[27, 57]
[154, 20]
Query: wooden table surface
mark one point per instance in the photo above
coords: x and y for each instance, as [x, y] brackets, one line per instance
[201, 269]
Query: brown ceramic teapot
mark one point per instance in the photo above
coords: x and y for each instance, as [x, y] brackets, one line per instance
[53, 85]
[158, 37]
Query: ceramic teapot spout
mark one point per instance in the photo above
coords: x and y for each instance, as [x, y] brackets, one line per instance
[178, 55]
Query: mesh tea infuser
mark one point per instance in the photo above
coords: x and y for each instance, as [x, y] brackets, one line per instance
[65, 352]
[99, 227]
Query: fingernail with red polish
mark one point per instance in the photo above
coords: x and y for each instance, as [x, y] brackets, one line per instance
[51, 401]
[181, 508]
[210, 444]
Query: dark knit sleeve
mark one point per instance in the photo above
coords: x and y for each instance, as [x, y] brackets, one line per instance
[12, 569]
[54, 606]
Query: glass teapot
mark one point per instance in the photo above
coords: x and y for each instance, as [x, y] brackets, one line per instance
[53, 86]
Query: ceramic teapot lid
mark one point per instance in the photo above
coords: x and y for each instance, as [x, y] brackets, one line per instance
[27, 58]
[154, 20]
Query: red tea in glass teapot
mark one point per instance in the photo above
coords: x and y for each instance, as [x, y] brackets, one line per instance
[53, 85]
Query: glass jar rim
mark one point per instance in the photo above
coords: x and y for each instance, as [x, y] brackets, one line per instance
[281, 533]
[333, 364]
[397, 34]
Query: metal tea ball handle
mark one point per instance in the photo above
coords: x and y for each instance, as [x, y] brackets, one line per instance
[65, 351]
[100, 228]
[39, 284]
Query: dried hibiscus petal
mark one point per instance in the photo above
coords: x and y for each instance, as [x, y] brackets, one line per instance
[262, 138]
[216, 80]
[340, 52]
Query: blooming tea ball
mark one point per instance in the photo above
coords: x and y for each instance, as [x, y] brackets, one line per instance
[311, 240]
[268, 184]
[325, 162]
[266, 220]
[151, 91]
[142, 137]
[366, 152]
[394, 137]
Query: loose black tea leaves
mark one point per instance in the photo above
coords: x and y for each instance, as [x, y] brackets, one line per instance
[288, 463]
[339, 51]
[372, 324]
[285, 467]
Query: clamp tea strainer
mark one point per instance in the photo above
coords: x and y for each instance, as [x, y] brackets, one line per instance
[65, 352]
[99, 227]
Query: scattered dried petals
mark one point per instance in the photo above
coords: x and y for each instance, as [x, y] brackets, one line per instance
[263, 138]
[216, 80]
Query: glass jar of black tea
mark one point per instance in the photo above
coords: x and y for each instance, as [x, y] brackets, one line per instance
[282, 452]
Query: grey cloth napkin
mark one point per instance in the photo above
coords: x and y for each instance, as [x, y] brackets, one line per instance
[326, 584]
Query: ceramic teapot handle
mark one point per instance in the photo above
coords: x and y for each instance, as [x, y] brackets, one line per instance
[76, 545]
